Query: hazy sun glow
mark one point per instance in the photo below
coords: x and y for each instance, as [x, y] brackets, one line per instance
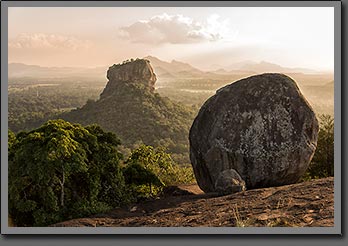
[289, 36]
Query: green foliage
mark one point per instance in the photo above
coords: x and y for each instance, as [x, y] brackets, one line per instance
[149, 169]
[11, 139]
[136, 113]
[138, 175]
[145, 170]
[182, 174]
[322, 164]
[143, 182]
[153, 159]
[63, 170]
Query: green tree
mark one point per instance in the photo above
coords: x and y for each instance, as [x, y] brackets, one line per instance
[154, 168]
[63, 170]
[148, 166]
[107, 172]
[156, 160]
[322, 164]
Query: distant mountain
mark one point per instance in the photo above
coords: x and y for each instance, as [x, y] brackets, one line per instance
[164, 70]
[240, 65]
[173, 69]
[221, 71]
[182, 70]
[16, 70]
[266, 67]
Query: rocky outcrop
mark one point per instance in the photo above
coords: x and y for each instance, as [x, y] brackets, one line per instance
[136, 71]
[131, 109]
[262, 127]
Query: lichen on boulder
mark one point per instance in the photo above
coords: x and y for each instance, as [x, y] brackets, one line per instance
[261, 126]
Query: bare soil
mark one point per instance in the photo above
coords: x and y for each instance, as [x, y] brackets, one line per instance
[307, 204]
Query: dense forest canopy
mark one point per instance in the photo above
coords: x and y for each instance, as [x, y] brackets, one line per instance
[61, 171]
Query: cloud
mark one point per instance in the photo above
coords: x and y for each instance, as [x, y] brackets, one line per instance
[52, 41]
[175, 29]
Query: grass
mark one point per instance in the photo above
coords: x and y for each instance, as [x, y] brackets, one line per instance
[275, 222]
[282, 202]
[239, 221]
[280, 222]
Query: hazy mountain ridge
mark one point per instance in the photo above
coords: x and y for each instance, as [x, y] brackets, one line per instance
[16, 70]
[173, 69]
[173, 66]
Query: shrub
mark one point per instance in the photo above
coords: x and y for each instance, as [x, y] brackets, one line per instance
[149, 169]
[143, 183]
[322, 164]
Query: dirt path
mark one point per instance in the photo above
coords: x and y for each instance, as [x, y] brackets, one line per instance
[303, 204]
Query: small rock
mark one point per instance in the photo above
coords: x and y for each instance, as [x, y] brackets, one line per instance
[229, 182]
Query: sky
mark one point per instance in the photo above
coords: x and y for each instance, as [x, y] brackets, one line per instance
[205, 37]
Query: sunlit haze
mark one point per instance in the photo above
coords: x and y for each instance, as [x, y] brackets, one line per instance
[206, 38]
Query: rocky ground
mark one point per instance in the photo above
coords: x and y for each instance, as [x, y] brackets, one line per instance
[303, 204]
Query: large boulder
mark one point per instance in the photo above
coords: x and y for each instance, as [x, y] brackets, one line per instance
[261, 126]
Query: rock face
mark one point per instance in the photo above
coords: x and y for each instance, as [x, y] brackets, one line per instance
[138, 71]
[261, 127]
